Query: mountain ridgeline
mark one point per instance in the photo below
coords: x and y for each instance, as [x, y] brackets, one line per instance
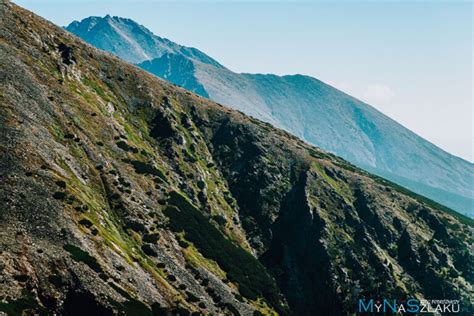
[122, 194]
[302, 105]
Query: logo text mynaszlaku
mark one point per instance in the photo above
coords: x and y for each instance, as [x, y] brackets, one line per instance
[408, 306]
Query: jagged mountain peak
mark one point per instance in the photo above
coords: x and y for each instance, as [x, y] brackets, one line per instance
[130, 40]
[90, 22]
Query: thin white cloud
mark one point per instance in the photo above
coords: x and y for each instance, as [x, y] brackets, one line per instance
[378, 94]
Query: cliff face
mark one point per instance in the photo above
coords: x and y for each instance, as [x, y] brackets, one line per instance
[123, 194]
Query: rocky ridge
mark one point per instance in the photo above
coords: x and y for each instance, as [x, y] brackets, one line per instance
[306, 107]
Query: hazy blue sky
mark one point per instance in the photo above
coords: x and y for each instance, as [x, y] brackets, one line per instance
[412, 60]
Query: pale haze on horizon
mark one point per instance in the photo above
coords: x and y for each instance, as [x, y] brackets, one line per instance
[412, 60]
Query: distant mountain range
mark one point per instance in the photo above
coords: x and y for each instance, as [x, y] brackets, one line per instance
[302, 105]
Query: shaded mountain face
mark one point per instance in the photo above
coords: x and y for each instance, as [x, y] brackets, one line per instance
[306, 107]
[122, 194]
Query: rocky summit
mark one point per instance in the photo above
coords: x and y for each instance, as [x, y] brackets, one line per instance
[122, 194]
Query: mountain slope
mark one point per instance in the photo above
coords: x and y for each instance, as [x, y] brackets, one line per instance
[124, 195]
[309, 109]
